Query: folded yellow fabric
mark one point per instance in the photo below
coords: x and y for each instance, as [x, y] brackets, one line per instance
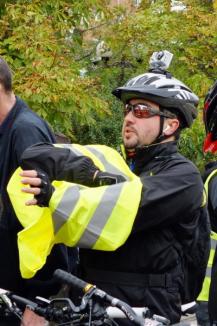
[98, 218]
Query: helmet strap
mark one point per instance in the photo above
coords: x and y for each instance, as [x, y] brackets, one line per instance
[161, 135]
[132, 153]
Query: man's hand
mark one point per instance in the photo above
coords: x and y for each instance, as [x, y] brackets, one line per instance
[40, 187]
[31, 319]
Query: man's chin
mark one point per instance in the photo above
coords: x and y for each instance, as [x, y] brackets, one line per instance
[129, 145]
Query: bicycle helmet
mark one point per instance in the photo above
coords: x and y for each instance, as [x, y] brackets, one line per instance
[210, 120]
[163, 89]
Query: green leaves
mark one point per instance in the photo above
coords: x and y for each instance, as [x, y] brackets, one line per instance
[36, 41]
[48, 43]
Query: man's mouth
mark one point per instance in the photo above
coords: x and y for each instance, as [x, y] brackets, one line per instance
[128, 133]
[128, 130]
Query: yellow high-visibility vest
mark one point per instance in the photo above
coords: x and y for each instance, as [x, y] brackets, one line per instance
[98, 218]
[204, 294]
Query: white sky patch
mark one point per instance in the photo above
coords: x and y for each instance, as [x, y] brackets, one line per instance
[177, 6]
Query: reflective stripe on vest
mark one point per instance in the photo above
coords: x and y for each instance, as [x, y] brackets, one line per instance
[99, 218]
[98, 153]
[206, 187]
[211, 175]
[204, 294]
[69, 200]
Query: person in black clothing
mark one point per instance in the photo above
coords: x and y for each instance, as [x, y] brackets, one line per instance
[148, 269]
[19, 128]
[210, 145]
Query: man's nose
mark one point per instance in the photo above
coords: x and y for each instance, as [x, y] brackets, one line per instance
[129, 116]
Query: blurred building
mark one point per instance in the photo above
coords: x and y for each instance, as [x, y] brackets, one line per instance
[127, 3]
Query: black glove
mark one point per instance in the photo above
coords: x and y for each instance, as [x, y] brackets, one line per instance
[106, 178]
[85, 172]
[46, 189]
[81, 171]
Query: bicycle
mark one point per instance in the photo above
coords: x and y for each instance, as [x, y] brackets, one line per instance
[96, 307]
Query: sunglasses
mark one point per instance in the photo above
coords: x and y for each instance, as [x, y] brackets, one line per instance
[145, 111]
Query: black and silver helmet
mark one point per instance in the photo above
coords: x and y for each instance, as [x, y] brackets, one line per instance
[210, 120]
[163, 89]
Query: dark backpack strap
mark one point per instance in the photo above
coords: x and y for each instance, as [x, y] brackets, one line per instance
[132, 279]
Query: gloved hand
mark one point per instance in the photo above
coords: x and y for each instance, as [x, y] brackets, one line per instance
[106, 178]
[46, 189]
[81, 171]
[87, 173]
[63, 164]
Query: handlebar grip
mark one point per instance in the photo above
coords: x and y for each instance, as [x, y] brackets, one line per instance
[23, 301]
[71, 280]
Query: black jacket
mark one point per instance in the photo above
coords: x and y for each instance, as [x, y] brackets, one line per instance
[212, 207]
[148, 269]
[212, 194]
[20, 129]
[172, 196]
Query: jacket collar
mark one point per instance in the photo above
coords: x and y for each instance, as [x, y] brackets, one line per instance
[148, 157]
[9, 119]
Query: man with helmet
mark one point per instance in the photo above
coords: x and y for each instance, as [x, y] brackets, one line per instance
[148, 270]
[209, 291]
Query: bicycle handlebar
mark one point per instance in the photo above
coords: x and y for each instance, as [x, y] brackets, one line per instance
[23, 301]
[72, 280]
[112, 301]
[64, 310]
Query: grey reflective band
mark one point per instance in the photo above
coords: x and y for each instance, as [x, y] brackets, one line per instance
[100, 216]
[72, 148]
[209, 178]
[108, 166]
[213, 244]
[65, 207]
[208, 271]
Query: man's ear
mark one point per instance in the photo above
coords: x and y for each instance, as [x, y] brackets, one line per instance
[171, 126]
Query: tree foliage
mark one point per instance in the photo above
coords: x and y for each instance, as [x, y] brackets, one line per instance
[191, 35]
[48, 43]
[37, 39]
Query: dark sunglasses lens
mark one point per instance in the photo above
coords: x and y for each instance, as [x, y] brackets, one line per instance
[141, 111]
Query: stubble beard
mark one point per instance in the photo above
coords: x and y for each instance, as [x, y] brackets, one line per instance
[130, 143]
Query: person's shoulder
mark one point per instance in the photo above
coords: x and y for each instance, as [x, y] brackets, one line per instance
[27, 118]
[182, 166]
[29, 124]
[210, 170]
[185, 161]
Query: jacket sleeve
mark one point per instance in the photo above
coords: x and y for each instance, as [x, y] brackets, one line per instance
[59, 163]
[170, 196]
[166, 197]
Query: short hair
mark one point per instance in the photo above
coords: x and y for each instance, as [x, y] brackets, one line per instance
[5, 75]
